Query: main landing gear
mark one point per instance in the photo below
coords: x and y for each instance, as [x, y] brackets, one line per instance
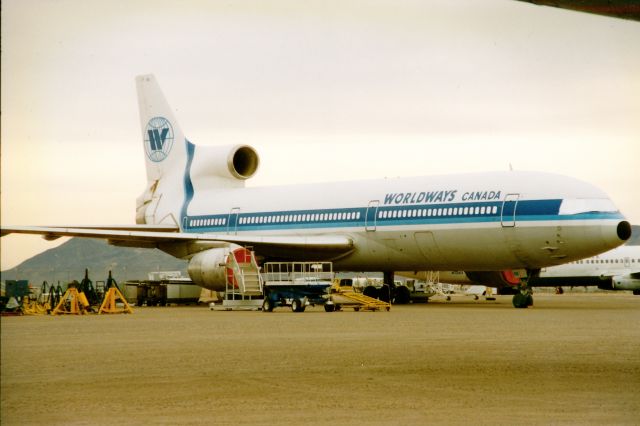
[524, 297]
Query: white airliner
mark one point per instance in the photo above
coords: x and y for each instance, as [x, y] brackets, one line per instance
[196, 207]
[617, 269]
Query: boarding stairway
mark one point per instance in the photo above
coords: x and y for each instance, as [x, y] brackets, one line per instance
[243, 273]
[244, 284]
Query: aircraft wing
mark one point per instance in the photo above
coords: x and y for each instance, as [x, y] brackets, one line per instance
[624, 9]
[154, 236]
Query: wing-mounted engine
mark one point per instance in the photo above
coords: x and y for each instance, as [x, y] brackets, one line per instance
[224, 166]
[235, 265]
[625, 282]
[496, 279]
[208, 268]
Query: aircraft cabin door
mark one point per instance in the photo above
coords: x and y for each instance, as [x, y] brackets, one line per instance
[508, 213]
[232, 221]
[371, 215]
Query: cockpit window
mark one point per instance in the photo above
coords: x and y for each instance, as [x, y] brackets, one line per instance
[586, 205]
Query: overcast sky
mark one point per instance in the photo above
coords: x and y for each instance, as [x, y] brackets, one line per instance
[369, 89]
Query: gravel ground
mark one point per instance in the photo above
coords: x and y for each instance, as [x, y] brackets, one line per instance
[570, 359]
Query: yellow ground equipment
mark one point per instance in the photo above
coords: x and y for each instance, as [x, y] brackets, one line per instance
[34, 307]
[110, 298]
[72, 302]
[346, 297]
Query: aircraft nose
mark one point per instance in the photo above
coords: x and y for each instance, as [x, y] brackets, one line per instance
[623, 230]
[615, 234]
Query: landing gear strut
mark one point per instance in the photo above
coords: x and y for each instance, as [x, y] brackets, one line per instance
[524, 297]
[387, 292]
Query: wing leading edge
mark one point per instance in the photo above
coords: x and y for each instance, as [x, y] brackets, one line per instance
[157, 236]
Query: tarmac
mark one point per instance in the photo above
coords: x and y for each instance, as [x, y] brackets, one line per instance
[569, 359]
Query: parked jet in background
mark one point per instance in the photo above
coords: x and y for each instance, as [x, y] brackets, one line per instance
[617, 269]
[196, 207]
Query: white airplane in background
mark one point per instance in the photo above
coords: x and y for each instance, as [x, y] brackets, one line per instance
[617, 269]
[196, 207]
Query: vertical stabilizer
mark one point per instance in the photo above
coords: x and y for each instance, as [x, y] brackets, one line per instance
[166, 156]
[163, 139]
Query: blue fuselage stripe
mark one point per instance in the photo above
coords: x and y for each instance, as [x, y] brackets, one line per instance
[188, 185]
[387, 216]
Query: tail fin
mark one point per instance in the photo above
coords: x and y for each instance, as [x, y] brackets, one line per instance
[174, 173]
[163, 139]
[165, 148]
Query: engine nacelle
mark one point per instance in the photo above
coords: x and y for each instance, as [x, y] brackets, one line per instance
[236, 162]
[496, 279]
[625, 282]
[208, 268]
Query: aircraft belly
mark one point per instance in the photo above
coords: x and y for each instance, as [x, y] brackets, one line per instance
[470, 249]
[522, 246]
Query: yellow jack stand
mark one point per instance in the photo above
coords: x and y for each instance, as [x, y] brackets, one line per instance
[78, 303]
[33, 307]
[109, 303]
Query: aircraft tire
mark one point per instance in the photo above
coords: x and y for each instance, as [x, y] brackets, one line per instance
[403, 295]
[384, 293]
[370, 291]
[329, 307]
[520, 300]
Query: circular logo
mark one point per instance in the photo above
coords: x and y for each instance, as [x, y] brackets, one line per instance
[158, 139]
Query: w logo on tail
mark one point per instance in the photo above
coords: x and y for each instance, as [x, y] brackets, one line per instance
[158, 139]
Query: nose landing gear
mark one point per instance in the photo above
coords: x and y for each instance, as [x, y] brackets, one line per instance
[524, 297]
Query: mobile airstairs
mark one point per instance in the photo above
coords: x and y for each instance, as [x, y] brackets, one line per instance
[244, 285]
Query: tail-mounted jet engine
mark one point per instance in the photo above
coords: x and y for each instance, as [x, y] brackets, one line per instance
[227, 166]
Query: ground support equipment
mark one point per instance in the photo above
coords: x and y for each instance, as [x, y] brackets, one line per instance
[244, 284]
[296, 284]
[72, 302]
[111, 296]
[297, 296]
[346, 297]
[109, 304]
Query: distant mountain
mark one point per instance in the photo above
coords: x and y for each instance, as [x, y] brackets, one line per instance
[68, 261]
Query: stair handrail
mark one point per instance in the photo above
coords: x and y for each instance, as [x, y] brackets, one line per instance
[237, 272]
[254, 264]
